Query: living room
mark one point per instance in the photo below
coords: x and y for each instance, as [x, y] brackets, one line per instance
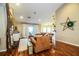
[39, 29]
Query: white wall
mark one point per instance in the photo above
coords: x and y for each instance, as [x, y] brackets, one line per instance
[72, 11]
[3, 23]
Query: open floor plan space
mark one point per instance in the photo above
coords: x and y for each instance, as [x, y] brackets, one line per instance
[39, 29]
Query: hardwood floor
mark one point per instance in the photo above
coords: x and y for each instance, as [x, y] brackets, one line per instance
[61, 49]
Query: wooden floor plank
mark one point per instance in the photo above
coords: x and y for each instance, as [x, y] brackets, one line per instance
[61, 49]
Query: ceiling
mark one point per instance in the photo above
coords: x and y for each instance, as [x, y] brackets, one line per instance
[34, 12]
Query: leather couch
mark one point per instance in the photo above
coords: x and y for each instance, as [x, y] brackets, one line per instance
[41, 43]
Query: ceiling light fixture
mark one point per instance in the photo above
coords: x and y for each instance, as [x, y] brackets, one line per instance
[21, 17]
[17, 4]
[39, 20]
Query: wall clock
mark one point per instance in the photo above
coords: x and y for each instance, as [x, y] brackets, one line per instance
[68, 24]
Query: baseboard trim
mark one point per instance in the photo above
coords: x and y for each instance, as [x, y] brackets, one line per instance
[3, 50]
[69, 43]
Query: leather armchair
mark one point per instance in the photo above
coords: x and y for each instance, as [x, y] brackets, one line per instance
[41, 43]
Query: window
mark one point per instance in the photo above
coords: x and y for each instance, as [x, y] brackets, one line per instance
[30, 29]
[46, 29]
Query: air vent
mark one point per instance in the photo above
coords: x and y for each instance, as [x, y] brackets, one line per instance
[34, 13]
[28, 17]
